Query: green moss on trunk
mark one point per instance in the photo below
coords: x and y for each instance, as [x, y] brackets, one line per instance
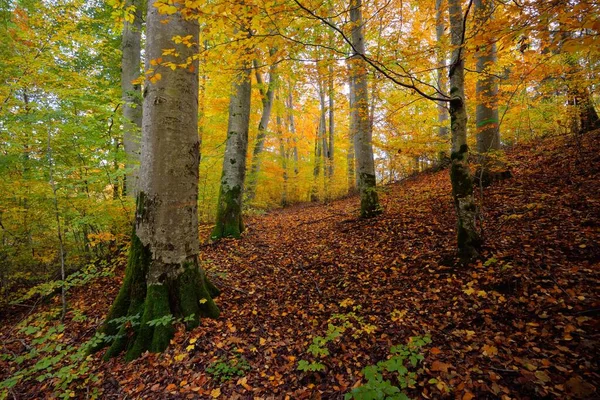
[468, 240]
[229, 214]
[156, 337]
[369, 199]
[130, 299]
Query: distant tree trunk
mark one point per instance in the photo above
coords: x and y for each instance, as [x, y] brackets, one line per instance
[584, 117]
[323, 136]
[131, 94]
[284, 159]
[163, 279]
[442, 81]
[363, 149]
[352, 180]
[314, 194]
[330, 148]
[486, 117]
[229, 208]
[267, 103]
[292, 130]
[468, 240]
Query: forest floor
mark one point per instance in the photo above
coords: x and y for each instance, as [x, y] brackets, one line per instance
[520, 323]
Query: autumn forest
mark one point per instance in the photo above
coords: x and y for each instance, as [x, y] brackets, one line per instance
[299, 199]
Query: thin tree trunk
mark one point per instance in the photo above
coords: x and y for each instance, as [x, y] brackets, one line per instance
[229, 208]
[486, 116]
[131, 94]
[442, 81]
[314, 194]
[294, 139]
[352, 179]
[284, 159]
[363, 149]
[331, 110]
[61, 248]
[468, 240]
[267, 103]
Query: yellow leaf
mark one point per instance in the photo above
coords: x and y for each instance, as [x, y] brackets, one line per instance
[190, 347]
[489, 350]
[469, 291]
[215, 393]
[202, 301]
[193, 340]
[179, 357]
[262, 341]
[155, 78]
[346, 302]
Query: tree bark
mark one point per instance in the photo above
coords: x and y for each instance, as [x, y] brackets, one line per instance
[442, 81]
[267, 103]
[229, 208]
[284, 158]
[363, 149]
[331, 111]
[131, 94]
[486, 116]
[163, 280]
[352, 179]
[468, 240]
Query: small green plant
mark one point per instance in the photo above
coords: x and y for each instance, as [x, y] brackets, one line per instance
[226, 368]
[48, 359]
[318, 349]
[76, 279]
[378, 387]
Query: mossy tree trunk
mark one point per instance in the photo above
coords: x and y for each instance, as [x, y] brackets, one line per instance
[163, 280]
[363, 148]
[229, 208]
[468, 240]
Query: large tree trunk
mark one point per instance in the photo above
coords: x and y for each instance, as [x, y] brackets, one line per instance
[363, 149]
[486, 117]
[267, 103]
[131, 94]
[468, 240]
[442, 81]
[163, 279]
[229, 208]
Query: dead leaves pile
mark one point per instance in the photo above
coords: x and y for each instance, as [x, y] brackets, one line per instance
[521, 323]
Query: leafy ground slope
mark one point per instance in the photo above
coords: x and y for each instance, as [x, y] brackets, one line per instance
[520, 323]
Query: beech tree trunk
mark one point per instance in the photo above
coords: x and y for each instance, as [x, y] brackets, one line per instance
[442, 80]
[331, 111]
[363, 149]
[486, 116]
[350, 159]
[163, 279]
[229, 208]
[468, 240]
[131, 94]
[267, 103]
[283, 154]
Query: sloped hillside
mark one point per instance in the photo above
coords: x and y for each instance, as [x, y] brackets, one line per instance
[522, 322]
